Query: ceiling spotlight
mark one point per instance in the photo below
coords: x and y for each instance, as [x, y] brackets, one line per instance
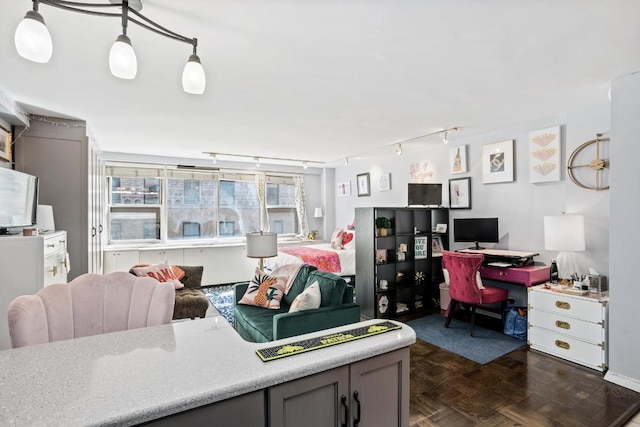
[214, 158]
[445, 138]
[305, 165]
[399, 149]
[346, 161]
[257, 160]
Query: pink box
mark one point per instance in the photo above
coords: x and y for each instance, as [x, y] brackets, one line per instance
[528, 276]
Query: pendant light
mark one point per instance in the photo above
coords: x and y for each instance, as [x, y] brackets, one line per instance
[32, 38]
[122, 58]
[193, 78]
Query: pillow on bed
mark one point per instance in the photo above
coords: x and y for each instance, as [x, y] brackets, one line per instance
[349, 240]
[336, 238]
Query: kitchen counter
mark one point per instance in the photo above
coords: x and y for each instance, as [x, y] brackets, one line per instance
[130, 377]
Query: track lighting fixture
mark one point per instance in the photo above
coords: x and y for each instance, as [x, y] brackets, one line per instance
[257, 159]
[33, 41]
[214, 158]
[260, 159]
[305, 165]
[445, 138]
[399, 149]
[346, 161]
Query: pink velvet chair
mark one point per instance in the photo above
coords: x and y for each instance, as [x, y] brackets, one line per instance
[91, 304]
[463, 270]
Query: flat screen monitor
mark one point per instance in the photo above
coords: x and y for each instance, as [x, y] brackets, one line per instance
[425, 194]
[18, 199]
[476, 230]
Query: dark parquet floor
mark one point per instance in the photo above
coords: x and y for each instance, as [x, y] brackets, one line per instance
[522, 388]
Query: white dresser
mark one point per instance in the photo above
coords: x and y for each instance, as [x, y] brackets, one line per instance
[569, 326]
[27, 264]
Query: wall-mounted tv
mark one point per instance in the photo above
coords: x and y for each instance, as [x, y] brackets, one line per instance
[476, 230]
[18, 199]
[424, 194]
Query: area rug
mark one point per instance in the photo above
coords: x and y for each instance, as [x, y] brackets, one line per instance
[485, 345]
[221, 297]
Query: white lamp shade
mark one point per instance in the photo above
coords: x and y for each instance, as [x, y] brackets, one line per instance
[262, 245]
[193, 78]
[317, 213]
[122, 58]
[32, 38]
[44, 218]
[564, 233]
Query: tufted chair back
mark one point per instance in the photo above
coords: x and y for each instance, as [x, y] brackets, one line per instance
[91, 304]
[463, 270]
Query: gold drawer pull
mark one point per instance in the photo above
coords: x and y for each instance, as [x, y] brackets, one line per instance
[563, 305]
[562, 344]
[563, 325]
[54, 270]
[51, 245]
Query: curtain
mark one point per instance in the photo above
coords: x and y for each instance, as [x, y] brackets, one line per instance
[301, 201]
[261, 187]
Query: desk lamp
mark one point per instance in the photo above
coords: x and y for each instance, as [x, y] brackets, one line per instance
[262, 245]
[565, 233]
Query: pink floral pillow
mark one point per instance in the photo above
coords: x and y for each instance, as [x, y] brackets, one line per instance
[161, 272]
[264, 290]
[336, 238]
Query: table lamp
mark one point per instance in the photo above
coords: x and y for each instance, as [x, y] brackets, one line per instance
[565, 234]
[262, 245]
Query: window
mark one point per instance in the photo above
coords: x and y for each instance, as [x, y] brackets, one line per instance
[281, 206]
[162, 203]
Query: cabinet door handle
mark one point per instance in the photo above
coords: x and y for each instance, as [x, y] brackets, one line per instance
[51, 245]
[100, 228]
[93, 232]
[563, 325]
[343, 399]
[563, 305]
[562, 344]
[356, 422]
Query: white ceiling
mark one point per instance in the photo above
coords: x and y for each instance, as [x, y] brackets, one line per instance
[325, 79]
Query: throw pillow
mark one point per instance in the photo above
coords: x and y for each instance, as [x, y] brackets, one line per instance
[309, 299]
[161, 272]
[336, 238]
[349, 240]
[264, 290]
[289, 272]
[177, 271]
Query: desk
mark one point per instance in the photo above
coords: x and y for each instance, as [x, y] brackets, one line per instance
[515, 279]
[529, 275]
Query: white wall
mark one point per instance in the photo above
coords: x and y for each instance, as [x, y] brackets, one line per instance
[624, 324]
[519, 205]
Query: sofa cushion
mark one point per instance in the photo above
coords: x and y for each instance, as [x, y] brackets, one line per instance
[331, 287]
[299, 284]
[264, 290]
[255, 322]
[192, 276]
[190, 303]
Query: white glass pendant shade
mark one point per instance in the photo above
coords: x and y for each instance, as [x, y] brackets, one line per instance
[32, 38]
[122, 59]
[193, 79]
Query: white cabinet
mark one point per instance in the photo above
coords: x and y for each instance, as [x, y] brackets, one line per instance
[27, 264]
[71, 176]
[569, 326]
[156, 256]
[120, 260]
[370, 392]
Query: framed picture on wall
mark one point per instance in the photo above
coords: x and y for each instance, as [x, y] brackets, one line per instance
[344, 188]
[5, 144]
[497, 162]
[458, 159]
[460, 193]
[363, 185]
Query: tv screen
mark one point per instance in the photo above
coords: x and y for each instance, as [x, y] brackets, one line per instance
[18, 199]
[476, 230]
[425, 194]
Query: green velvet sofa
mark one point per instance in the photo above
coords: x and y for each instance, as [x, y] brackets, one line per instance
[258, 324]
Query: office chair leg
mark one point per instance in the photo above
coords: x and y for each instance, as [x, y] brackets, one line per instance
[473, 318]
[452, 307]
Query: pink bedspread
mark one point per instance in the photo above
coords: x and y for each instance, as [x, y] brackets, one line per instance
[322, 260]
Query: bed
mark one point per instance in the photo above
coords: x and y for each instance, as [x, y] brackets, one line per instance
[341, 262]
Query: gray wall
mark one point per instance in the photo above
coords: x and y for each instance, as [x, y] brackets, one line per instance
[624, 344]
[519, 205]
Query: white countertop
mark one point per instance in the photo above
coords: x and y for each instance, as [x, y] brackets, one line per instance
[129, 377]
